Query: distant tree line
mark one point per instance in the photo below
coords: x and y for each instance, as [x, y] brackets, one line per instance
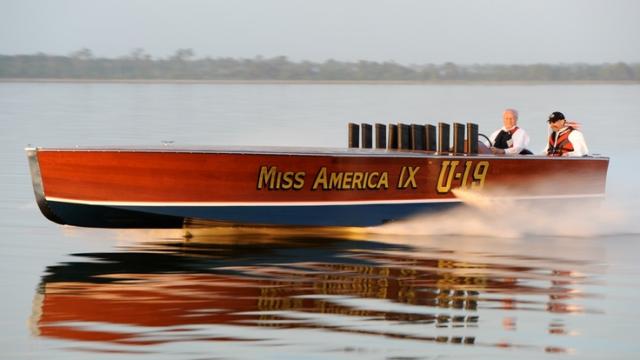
[183, 65]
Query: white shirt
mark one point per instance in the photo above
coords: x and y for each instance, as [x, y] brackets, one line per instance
[577, 140]
[520, 140]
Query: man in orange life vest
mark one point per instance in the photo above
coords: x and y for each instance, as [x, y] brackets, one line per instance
[564, 139]
[510, 139]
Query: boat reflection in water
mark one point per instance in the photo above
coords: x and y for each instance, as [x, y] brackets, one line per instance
[311, 293]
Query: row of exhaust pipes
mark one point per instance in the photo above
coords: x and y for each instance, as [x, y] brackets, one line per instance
[416, 137]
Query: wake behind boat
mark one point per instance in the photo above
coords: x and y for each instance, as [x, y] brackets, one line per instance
[162, 187]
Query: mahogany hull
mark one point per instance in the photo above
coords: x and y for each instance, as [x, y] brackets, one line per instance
[101, 187]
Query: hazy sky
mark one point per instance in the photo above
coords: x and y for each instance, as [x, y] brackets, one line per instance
[406, 31]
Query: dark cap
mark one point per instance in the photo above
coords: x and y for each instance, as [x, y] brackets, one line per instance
[555, 116]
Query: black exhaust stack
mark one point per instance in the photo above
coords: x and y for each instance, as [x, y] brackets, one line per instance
[430, 137]
[393, 137]
[458, 138]
[417, 137]
[418, 133]
[472, 138]
[354, 136]
[381, 136]
[443, 138]
[367, 136]
[404, 137]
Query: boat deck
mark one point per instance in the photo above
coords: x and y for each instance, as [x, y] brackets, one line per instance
[296, 151]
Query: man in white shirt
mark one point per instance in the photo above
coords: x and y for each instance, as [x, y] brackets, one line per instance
[564, 140]
[510, 139]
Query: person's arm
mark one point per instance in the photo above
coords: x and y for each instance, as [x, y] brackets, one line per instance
[520, 141]
[546, 145]
[579, 144]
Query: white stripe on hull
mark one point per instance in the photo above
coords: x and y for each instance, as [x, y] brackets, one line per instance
[310, 203]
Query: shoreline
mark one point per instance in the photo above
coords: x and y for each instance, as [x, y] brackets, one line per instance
[316, 82]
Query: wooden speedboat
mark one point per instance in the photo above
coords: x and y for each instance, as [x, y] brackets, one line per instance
[164, 186]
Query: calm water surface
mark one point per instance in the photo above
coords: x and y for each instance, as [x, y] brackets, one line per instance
[493, 282]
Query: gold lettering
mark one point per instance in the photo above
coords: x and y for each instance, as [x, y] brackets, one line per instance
[479, 175]
[299, 183]
[335, 180]
[270, 178]
[287, 180]
[384, 181]
[321, 178]
[357, 180]
[467, 168]
[447, 170]
[371, 182]
[346, 182]
[411, 180]
[401, 178]
[267, 176]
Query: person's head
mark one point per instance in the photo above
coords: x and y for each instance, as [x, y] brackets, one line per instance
[556, 120]
[510, 118]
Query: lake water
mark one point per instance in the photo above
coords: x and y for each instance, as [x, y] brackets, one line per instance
[501, 282]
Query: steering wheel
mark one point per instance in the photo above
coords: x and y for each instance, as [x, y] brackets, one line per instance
[486, 138]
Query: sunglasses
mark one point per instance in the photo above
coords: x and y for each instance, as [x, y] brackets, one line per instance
[552, 121]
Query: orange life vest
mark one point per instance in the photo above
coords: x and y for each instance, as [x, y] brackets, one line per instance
[560, 145]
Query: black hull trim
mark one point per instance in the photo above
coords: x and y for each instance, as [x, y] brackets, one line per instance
[106, 217]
